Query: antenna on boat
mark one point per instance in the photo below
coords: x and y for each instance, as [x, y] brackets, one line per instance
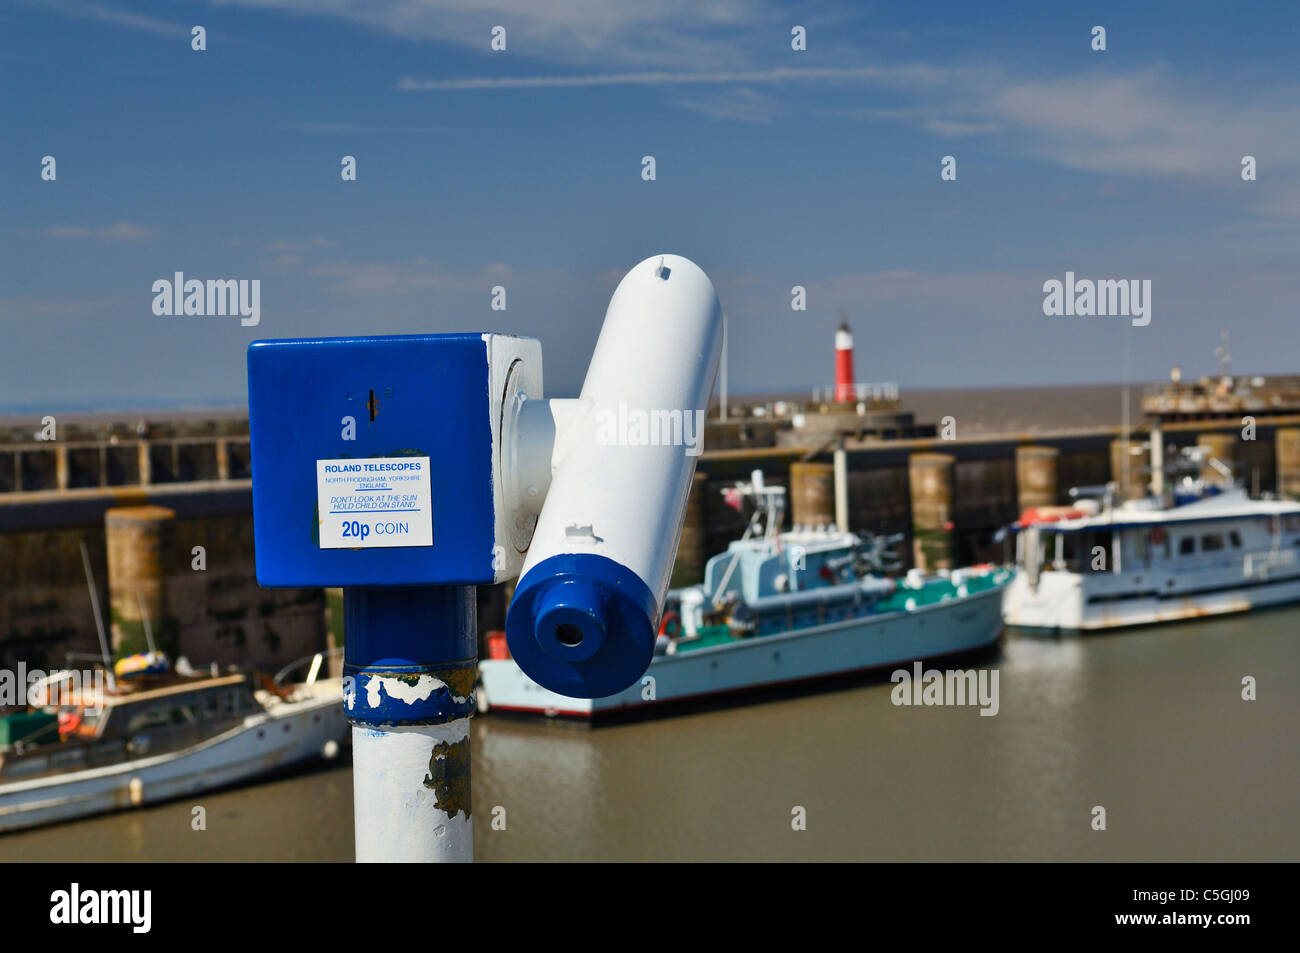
[1126, 462]
[99, 619]
[1224, 355]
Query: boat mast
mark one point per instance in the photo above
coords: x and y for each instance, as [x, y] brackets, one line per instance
[144, 616]
[99, 619]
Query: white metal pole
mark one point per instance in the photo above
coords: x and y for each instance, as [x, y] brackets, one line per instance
[412, 793]
[408, 690]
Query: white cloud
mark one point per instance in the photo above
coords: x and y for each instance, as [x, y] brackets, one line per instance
[1146, 121]
[666, 34]
[1149, 121]
[104, 13]
[417, 274]
[346, 128]
[117, 232]
[951, 128]
[896, 75]
[738, 104]
[285, 245]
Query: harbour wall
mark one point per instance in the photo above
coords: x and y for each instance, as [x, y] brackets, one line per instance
[180, 556]
[142, 505]
[950, 497]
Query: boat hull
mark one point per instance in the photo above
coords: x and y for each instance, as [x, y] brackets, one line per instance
[287, 734]
[1062, 604]
[841, 648]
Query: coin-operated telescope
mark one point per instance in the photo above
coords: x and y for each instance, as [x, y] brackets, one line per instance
[409, 469]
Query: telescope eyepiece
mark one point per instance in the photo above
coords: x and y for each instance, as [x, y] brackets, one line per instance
[570, 617]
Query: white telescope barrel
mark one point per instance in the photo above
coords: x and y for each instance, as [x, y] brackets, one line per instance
[582, 620]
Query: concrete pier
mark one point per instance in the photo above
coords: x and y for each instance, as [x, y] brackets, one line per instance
[812, 494]
[1036, 476]
[141, 553]
[691, 551]
[1130, 467]
[930, 476]
[1288, 462]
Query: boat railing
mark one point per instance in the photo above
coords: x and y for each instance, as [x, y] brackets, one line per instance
[315, 662]
[719, 596]
[1267, 561]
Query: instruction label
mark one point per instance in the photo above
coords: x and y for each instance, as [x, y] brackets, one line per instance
[374, 502]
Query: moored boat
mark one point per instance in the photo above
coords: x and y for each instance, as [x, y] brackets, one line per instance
[782, 608]
[158, 735]
[1200, 549]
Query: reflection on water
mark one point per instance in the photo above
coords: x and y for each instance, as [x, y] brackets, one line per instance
[1149, 724]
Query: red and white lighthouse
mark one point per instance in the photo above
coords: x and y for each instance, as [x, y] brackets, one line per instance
[845, 389]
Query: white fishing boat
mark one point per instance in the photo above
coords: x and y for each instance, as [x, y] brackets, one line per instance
[1203, 549]
[158, 735]
[780, 609]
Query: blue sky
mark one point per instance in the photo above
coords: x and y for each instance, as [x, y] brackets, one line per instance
[522, 168]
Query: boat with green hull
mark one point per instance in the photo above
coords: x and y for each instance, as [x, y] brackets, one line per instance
[778, 609]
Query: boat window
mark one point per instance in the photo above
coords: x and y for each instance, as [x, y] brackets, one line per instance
[1187, 546]
[1235, 539]
[183, 715]
[156, 717]
[1158, 542]
[211, 705]
[1141, 548]
[1211, 542]
[1077, 549]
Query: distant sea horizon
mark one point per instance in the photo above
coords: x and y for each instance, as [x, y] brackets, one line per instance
[1004, 408]
[976, 409]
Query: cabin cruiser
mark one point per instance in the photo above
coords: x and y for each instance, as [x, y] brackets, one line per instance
[147, 733]
[1203, 549]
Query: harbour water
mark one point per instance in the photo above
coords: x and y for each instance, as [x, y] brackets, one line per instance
[1149, 724]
